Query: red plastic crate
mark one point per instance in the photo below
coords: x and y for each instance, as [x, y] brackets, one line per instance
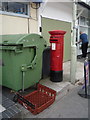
[40, 99]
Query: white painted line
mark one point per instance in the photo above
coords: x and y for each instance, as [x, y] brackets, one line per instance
[2, 108]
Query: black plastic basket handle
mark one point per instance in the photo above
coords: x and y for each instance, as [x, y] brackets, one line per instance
[21, 98]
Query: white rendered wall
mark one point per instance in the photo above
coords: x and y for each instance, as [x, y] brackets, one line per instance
[58, 10]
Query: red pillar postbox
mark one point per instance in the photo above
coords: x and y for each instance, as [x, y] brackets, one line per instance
[56, 55]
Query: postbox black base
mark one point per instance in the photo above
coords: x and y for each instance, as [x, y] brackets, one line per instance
[56, 76]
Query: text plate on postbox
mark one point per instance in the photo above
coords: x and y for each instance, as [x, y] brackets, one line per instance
[53, 46]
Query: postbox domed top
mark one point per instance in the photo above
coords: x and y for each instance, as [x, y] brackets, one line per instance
[57, 32]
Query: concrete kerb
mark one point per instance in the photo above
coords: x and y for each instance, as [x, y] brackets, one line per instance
[62, 88]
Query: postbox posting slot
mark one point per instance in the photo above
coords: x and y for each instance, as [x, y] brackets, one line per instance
[53, 40]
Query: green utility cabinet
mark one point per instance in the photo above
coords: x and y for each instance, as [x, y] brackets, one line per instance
[21, 60]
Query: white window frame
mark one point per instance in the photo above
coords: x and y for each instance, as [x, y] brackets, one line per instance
[16, 14]
[85, 24]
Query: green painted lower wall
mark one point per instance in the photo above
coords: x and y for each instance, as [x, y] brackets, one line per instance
[51, 24]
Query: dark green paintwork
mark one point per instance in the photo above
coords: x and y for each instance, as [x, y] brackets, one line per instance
[18, 51]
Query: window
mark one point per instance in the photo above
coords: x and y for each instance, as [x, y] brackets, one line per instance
[15, 7]
[88, 22]
[82, 20]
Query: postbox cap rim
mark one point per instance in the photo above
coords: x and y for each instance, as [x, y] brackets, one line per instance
[57, 32]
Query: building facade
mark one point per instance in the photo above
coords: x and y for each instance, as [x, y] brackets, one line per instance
[18, 18]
